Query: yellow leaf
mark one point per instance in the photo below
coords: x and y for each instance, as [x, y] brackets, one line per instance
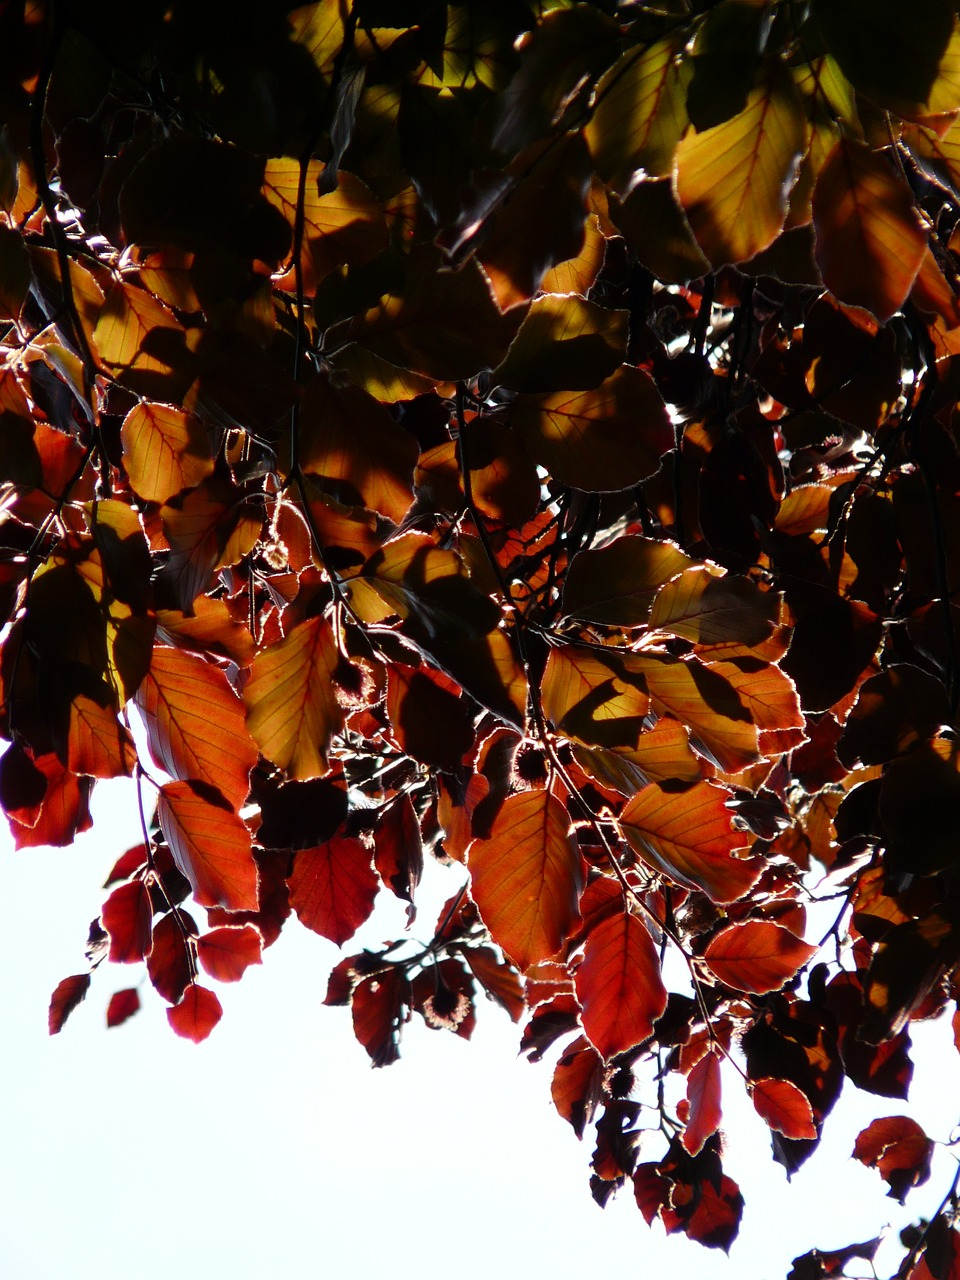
[734, 180]
[164, 450]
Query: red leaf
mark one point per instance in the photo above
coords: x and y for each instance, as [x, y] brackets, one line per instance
[67, 995]
[577, 1084]
[196, 1015]
[703, 1095]
[127, 865]
[689, 836]
[377, 1010]
[210, 845]
[757, 956]
[126, 916]
[123, 1005]
[499, 980]
[784, 1107]
[226, 953]
[169, 961]
[333, 887]
[899, 1150]
[526, 877]
[619, 984]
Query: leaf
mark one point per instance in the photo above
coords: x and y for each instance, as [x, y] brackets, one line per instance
[66, 996]
[526, 877]
[377, 1007]
[588, 697]
[706, 609]
[227, 953]
[123, 1005]
[576, 1087]
[292, 707]
[733, 179]
[757, 956]
[443, 325]
[428, 718]
[619, 984]
[869, 239]
[333, 887]
[98, 744]
[899, 1150]
[784, 1107]
[345, 225]
[195, 724]
[605, 439]
[164, 451]
[617, 584]
[354, 447]
[564, 343]
[689, 837]
[126, 916]
[500, 980]
[210, 845]
[169, 963]
[196, 1015]
[703, 1098]
[639, 114]
[143, 345]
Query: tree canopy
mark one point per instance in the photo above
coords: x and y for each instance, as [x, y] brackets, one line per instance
[521, 435]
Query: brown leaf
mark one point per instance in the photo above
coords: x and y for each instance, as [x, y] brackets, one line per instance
[757, 956]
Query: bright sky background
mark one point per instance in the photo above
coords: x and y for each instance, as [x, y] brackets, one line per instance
[273, 1150]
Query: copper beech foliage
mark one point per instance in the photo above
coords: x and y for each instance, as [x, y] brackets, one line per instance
[517, 435]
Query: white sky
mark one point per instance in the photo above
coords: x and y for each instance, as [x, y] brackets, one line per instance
[274, 1150]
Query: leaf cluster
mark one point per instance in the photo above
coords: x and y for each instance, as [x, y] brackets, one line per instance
[523, 438]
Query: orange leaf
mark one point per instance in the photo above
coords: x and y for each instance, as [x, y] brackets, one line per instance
[757, 956]
[164, 451]
[292, 709]
[527, 878]
[210, 845]
[619, 984]
[689, 837]
[226, 953]
[784, 1107]
[333, 887]
[703, 1097]
[195, 723]
[869, 240]
[616, 584]
[98, 744]
[587, 698]
[576, 1088]
[707, 609]
[196, 1015]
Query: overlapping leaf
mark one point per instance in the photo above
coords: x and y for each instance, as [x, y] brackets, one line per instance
[689, 836]
[332, 887]
[619, 984]
[757, 956]
[211, 847]
[292, 707]
[165, 450]
[525, 877]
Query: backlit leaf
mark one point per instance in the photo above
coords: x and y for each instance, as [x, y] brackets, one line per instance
[733, 180]
[589, 699]
[618, 984]
[784, 1107]
[195, 723]
[292, 708]
[900, 1151]
[98, 744]
[226, 953]
[123, 1005]
[66, 996]
[332, 887]
[526, 877]
[706, 609]
[757, 956]
[142, 344]
[608, 438]
[211, 847]
[703, 1097]
[564, 343]
[164, 450]
[640, 114]
[126, 916]
[577, 1084]
[196, 1015]
[869, 239]
[616, 584]
[690, 838]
